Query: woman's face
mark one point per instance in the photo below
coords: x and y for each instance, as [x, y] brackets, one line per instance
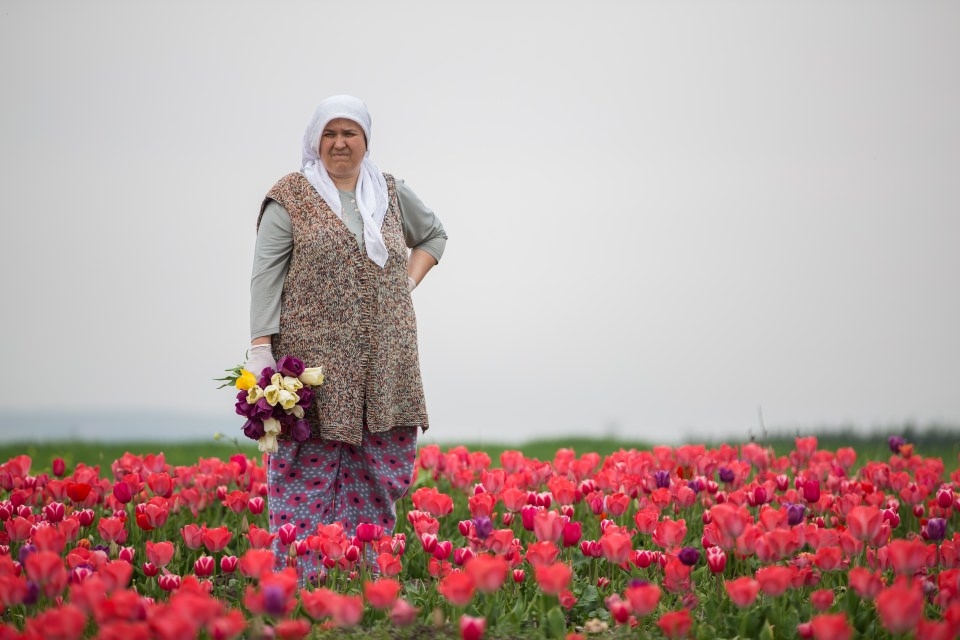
[342, 147]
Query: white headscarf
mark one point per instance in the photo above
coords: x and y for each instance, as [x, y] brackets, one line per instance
[371, 186]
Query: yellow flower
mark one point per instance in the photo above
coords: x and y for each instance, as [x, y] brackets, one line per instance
[254, 394]
[277, 379]
[292, 384]
[272, 394]
[267, 443]
[246, 380]
[298, 411]
[312, 376]
[287, 400]
[271, 426]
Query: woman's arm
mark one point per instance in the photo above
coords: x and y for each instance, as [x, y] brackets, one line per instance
[271, 259]
[423, 232]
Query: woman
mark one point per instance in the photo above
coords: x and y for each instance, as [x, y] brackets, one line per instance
[340, 247]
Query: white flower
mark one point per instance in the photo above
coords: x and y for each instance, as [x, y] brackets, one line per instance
[277, 379]
[267, 443]
[287, 400]
[297, 411]
[272, 394]
[292, 384]
[254, 394]
[271, 426]
[312, 376]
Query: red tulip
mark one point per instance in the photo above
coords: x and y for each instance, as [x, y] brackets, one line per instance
[643, 598]
[381, 594]
[472, 628]
[831, 627]
[228, 564]
[822, 599]
[553, 578]
[488, 572]
[204, 566]
[865, 583]
[774, 580]
[900, 607]
[389, 565]
[742, 591]
[216, 540]
[256, 505]
[716, 559]
[403, 613]
[676, 624]
[457, 587]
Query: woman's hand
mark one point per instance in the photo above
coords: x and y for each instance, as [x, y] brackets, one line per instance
[259, 357]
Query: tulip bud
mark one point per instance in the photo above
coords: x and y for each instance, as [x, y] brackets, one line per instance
[221, 492]
[123, 492]
[59, 467]
[716, 559]
[53, 512]
[465, 527]
[518, 575]
[126, 554]
[256, 505]
[462, 555]
[204, 566]
[443, 550]
[945, 497]
[891, 516]
[85, 517]
[287, 533]
[228, 564]
[352, 554]
[169, 582]
[368, 532]
[429, 542]
[918, 510]
[507, 519]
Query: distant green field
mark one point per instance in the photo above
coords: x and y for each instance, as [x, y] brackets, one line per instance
[942, 443]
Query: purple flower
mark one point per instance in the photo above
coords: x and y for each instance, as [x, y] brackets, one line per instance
[274, 600]
[263, 410]
[695, 485]
[795, 513]
[662, 479]
[301, 431]
[637, 582]
[306, 397]
[290, 366]
[483, 526]
[689, 556]
[727, 475]
[287, 420]
[253, 429]
[936, 529]
[265, 376]
[895, 443]
[25, 552]
[33, 593]
[243, 408]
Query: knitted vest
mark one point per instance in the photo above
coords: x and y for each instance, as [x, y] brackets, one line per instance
[342, 312]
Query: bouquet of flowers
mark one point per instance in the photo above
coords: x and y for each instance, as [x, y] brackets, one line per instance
[276, 402]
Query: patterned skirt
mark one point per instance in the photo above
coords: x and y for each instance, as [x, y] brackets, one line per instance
[324, 481]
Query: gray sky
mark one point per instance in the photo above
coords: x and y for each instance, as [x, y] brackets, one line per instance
[662, 216]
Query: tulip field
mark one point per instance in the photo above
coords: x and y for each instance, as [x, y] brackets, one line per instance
[731, 541]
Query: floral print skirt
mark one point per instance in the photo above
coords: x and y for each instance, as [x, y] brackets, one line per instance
[323, 481]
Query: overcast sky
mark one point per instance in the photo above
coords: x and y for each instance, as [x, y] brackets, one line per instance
[663, 216]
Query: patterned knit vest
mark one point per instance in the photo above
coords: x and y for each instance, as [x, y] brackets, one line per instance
[342, 312]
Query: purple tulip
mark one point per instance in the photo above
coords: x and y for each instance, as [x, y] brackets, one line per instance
[301, 431]
[287, 420]
[936, 529]
[695, 485]
[795, 513]
[689, 556]
[33, 593]
[662, 479]
[290, 366]
[306, 397]
[253, 429]
[727, 475]
[274, 600]
[895, 443]
[25, 552]
[483, 526]
[265, 376]
[263, 410]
